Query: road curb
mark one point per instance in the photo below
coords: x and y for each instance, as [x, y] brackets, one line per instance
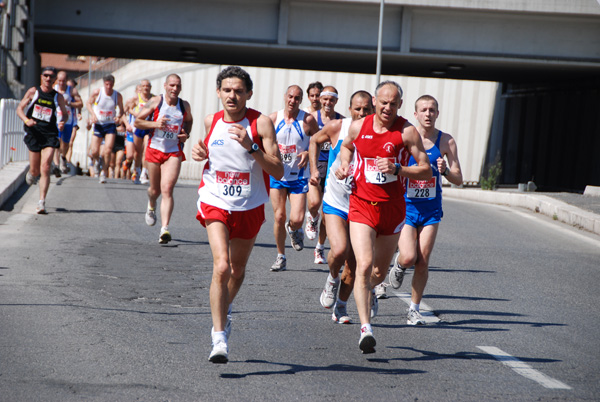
[548, 206]
[12, 176]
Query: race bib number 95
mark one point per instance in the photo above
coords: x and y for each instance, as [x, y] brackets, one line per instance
[42, 113]
[374, 176]
[234, 184]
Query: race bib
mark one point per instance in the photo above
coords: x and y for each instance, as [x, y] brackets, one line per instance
[234, 184]
[347, 182]
[326, 146]
[42, 113]
[105, 116]
[374, 176]
[170, 131]
[59, 114]
[288, 153]
[422, 188]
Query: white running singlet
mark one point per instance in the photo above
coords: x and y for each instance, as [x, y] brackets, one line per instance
[337, 192]
[166, 140]
[68, 98]
[232, 179]
[105, 107]
[292, 140]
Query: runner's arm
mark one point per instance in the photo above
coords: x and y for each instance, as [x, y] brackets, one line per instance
[347, 149]
[23, 104]
[140, 120]
[77, 103]
[93, 119]
[270, 159]
[452, 169]
[186, 126]
[414, 144]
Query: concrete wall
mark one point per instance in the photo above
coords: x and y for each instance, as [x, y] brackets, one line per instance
[466, 107]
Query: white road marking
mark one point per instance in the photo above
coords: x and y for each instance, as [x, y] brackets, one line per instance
[424, 309]
[523, 368]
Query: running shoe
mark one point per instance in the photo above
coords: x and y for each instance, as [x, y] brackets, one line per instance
[31, 179]
[329, 294]
[102, 179]
[279, 264]
[320, 256]
[219, 352]
[165, 236]
[380, 291]
[135, 178]
[63, 165]
[56, 172]
[312, 227]
[150, 217]
[340, 315]
[296, 236]
[96, 168]
[144, 178]
[397, 276]
[414, 318]
[41, 208]
[374, 304]
[367, 341]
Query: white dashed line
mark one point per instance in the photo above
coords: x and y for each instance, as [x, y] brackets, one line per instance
[523, 368]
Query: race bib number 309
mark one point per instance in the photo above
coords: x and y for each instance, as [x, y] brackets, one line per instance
[234, 184]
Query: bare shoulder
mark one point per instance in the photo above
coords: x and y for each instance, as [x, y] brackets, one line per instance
[264, 123]
[446, 142]
[355, 127]
[273, 117]
[208, 120]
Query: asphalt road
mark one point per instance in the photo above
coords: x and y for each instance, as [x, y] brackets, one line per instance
[93, 308]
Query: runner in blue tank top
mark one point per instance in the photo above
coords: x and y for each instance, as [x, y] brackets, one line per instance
[424, 205]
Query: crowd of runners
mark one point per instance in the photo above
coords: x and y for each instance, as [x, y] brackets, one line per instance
[370, 184]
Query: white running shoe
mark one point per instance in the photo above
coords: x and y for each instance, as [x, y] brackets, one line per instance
[329, 294]
[227, 327]
[150, 217]
[374, 304]
[144, 178]
[63, 165]
[41, 208]
[102, 177]
[219, 353]
[380, 291]
[396, 276]
[312, 227]
[367, 341]
[165, 235]
[280, 264]
[340, 315]
[296, 236]
[320, 256]
[414, 318]
[31, 179]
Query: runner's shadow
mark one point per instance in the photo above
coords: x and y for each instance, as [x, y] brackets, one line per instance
[426, 355]
[471, 298]
[290, 368]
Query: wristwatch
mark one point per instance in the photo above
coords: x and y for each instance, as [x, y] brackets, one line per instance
[398, 167]
[445, 172]
[254, 148]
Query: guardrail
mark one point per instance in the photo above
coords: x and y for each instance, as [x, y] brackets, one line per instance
[12, 147]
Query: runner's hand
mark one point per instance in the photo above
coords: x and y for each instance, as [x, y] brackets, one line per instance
[239, 134]
[183, 136]
[441, 164]
[200, 151]
[342, 172]
[385, 165]
[303, 159]
[314, 180]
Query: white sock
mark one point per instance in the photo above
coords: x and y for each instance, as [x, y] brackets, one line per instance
[281, 255]
[414, 306]
[144, 171]
[150, 206]
[164, 228]
[320, 246]
[365, 328]
[332, 279]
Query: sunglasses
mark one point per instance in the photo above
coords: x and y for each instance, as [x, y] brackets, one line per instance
[48, 75]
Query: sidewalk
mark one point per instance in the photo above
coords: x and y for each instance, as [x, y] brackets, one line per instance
[574, 209]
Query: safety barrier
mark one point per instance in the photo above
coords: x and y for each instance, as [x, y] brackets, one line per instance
[12, 147]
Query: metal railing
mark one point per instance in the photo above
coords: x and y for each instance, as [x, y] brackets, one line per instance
[12, 147]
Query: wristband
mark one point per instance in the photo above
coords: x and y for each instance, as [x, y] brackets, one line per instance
[27, 121]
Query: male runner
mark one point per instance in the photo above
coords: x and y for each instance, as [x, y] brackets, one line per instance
[313, 93]
[37, 109]
[170, 125]
[129, 119]
[72, 101]
[140, 139]
[102, 107]
[76, 112]
[424, 205]
[380, 144]
[242, 151]
[336, 203]
[293, 128]
[328, 99]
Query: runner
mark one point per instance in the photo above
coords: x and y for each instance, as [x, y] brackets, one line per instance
[293, 128]
[118, 151]
[129, 118]
[380, 144]
[37, 109]
[313, 93]
[170, 125]
[72, 101]
[424, 205]
[328, 99]
[336, 203]
[242, 151]
[140, 139]
[76, 111]
[102, 107]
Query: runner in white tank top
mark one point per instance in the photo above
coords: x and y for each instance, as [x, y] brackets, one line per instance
[241, 150]
[171, 123]
[294, 128]
[336, 202]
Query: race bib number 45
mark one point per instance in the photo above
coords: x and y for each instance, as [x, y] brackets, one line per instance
[234, 184]
[422, 188]
[374, 176]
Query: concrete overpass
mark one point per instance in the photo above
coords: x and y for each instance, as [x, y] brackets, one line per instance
[506, 41]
